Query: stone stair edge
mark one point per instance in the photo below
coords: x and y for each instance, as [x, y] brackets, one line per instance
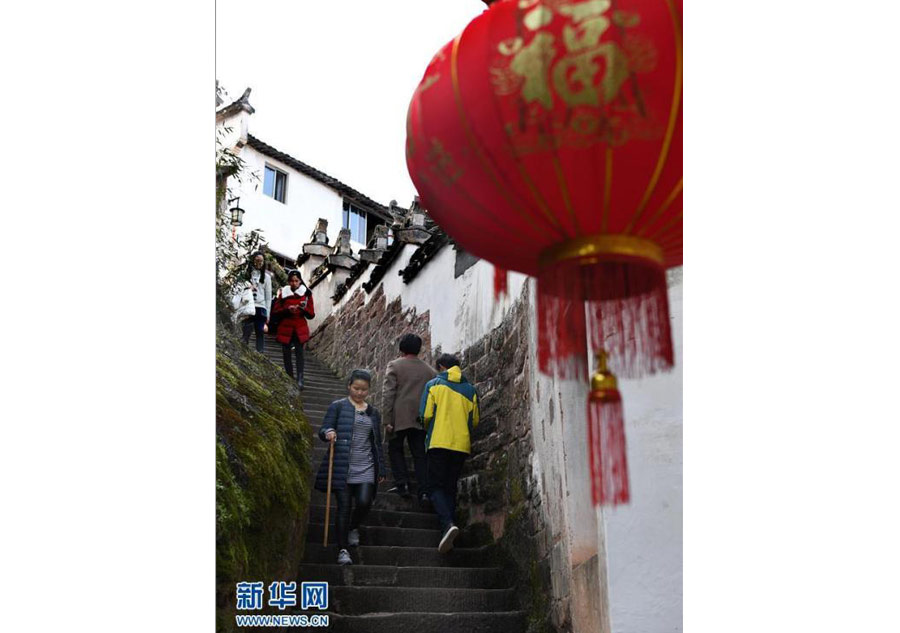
[404, 567]
[365, 527]
[322, 507]
[481, 548]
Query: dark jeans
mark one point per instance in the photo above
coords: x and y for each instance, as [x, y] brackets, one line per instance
[415, 438]
[362, 496]
[444, 467]
[256, 322]
[298, 353]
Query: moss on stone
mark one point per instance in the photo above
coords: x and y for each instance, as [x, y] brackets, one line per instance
[519, 558]
[516, 496]
[262, 472]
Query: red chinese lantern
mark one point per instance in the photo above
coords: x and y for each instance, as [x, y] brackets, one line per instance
[546, 138]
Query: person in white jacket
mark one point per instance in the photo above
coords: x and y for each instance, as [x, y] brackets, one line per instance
[261, 284]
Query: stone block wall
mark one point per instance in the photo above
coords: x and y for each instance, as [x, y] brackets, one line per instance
[367, 335]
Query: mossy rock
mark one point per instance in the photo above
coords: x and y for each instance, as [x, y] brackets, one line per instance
[531, 578]
[263, 452]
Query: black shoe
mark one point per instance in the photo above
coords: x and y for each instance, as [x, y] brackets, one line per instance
[402, 490]
[424, 502]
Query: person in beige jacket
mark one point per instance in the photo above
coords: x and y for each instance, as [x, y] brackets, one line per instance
[404, 381]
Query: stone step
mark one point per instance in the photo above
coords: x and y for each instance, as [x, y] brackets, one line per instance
[484, 556]
[275, 357]
[472, 622]
[323, 389]
[383, 501]
[383, 487]
[386, 518]
[380, 535]
[388, 576]
[359, 600]
[320, 403]
[321, 393]
[316, 403]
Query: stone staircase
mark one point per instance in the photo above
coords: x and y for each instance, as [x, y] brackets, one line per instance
[399, 581]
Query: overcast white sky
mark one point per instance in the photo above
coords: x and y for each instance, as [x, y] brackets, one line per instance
[332, 79]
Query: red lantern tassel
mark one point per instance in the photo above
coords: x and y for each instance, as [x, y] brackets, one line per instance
[562, 339]
[501, 282]
[606, 438]
[627, 314]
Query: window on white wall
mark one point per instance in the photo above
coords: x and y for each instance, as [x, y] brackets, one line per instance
[355, 220]
[275, 183]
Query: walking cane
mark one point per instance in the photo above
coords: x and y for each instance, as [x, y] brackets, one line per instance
[328, 493]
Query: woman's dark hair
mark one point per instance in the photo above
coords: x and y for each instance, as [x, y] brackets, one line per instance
[251, 268]
[296, 273]
[447, 360]
[359, 374]
[410, 344]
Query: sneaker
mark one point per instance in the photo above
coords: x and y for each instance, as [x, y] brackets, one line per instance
[344, 558]
[353, 538]
[424, 502]
[447, 541]
[401, 490]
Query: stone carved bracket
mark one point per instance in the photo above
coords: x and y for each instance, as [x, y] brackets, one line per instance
[377, 245]
[318, 242]
[342, 254]
[414, 226]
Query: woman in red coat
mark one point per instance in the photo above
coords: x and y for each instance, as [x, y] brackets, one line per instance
[294, 306]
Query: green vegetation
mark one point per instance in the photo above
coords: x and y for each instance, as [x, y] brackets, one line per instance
[262, 472]
[518, 555]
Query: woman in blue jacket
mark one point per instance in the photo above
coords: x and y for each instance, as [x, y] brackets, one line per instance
[355, 428]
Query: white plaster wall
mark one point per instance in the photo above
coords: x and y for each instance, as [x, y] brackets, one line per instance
[462, 310]
[644, 538]
[285, 226]
[560, 467]
[232, 131]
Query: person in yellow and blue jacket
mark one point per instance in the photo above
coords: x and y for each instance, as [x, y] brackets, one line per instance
[449, 411]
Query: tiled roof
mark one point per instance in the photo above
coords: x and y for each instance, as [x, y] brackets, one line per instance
[387, 258]
[424, 254]
[355, 273]
[347, 191]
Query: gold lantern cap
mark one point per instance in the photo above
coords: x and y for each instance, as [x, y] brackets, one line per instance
[594, 248]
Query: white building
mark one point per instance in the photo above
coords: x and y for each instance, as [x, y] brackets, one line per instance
[289, 195]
